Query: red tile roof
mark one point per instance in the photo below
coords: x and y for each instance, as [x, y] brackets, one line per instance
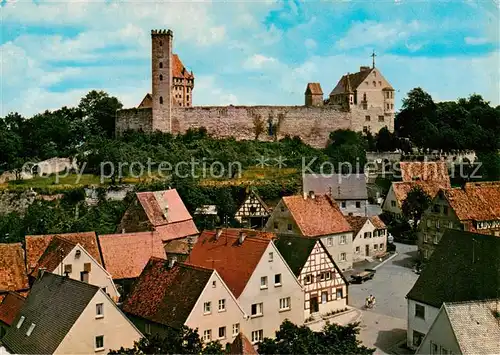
[126, 254]
[425, 171]
[166, 209]
[401, 189]
[13, 275]
[316, 216]
[242, 346]
[377, 222]
[166, 295]
[10, 306]
[476, 202]
[314, 89]
[178, 69]
[57, 250]
[234, 262]
[36, 245]
[356, 222]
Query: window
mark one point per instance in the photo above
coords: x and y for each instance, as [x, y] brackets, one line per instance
[277, 280]
[381, 246]
[99, 342]
[222, 305]
[282, 208]
[444, 351]
[358, 249]
[214, 283]
[343, 204]
[381, 118]
[339, 293]
[328, 275]
[343, 257]
[30, 329]
[276, 225]
[434, 349]
[417, 338]
[329, 241]
[263, 282]
[387, 106]
[445, 210]
[271, 255]
[367, 118]
[222, 332]
[236, 329]
[375, 246]
[68, 268]
[161, 77]
[309, 279]
[358, 204]
[419, 311]
[324, 297]
[99, 310]
[379, 83]
[84, 276]
[436, 208]
[374, 83]
[161, 44]
[289, 227]
[392, 106]
[207, 307]
[387, 94]
[257, 309]
[284, 304]
[161, 100]
[207, 335]
[393, 203]
[367, 235]
[450, 224]
[257, 335]
[161, 65]
[343, 239]
[187, 97]
[21, 320]
[147, 328]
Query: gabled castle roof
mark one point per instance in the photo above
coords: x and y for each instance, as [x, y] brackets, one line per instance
[314, 89]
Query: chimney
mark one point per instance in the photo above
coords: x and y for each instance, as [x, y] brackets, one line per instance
[364, 68]
[218, 232]
[171, 262]
[242, 237]
[41, 272]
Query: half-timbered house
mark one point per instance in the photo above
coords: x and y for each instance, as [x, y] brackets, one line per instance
[325, 287]
[253, 213]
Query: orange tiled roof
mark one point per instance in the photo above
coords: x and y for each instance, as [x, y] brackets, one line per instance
[178, 69]
[314, 89]
[10, 306]
[356, 222]
[425, 171]
[477, 201]
[36, 245]
[377, 222]
[242, 346]
[317, 216]
[126, 254]
[233, 261]
[57, 250]
[13, 275]
[177, 230]
[401, 189]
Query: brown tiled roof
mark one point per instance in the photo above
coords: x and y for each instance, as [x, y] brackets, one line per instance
[401, 189]
[355, 80]
[178, 69]
[126, 254]
[317, 216]
[177, 246]
[166, 295]
[242, 346]
[166, 209]
[57, 250]
[436, 171]
[377, 222]
[36, 245]
[234, 262]
[476, 202]
[314, 89]
[356, 222]
[9, 307]
[147, 101]
[13, 275]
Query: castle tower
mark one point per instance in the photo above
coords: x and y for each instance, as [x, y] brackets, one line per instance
[161, 64]
[349, 94]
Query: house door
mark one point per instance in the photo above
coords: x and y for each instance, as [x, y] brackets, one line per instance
[367, 250]
[314, 304]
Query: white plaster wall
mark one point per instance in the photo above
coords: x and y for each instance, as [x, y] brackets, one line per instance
[335, 248]
[387, 206]
[441, 334]
[361, 242]
[418, 324]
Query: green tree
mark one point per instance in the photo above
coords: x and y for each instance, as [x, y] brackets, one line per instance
[333, 339]
[100, 111]
[347, 151]
[416, 202]
[386, 141]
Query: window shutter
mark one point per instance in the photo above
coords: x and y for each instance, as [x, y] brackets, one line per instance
[86, 267]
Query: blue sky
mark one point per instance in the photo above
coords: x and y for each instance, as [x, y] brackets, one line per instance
[244, 52]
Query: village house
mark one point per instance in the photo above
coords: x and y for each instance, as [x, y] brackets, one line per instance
[464, 267]
[475, 207]
[253, 212]
[317, 217]
[325, 287]
[168, 295]
[349, 191]
[125, 255]
[430, 176]
[13, 275]
[9, 307]
[257, 275]
[66, 316]
[464, 328]
[163, 212]
[65, 258]
[370, 237]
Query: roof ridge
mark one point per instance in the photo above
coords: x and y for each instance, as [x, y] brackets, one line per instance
[486, 300]
[226, 233]
[188, 265]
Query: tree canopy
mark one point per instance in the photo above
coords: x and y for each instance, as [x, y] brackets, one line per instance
[415, 204]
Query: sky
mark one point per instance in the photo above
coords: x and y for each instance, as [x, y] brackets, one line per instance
[244, 52]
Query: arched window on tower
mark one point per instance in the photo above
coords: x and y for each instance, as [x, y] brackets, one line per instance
[161, 100]
[161, 43]
[161, 65]
[161, 77]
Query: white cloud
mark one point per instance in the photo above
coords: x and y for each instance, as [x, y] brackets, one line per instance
[259, 61]
[310, 43]
[208, 93]
[475, 41]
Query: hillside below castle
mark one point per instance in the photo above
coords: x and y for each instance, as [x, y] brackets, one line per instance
[362, 101]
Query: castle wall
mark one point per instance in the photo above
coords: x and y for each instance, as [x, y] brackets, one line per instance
[135, 119]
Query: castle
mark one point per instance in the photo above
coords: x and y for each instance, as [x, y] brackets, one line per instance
[362, 101]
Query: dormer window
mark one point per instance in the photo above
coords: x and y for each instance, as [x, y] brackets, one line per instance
[21, 321]
[30, 329]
